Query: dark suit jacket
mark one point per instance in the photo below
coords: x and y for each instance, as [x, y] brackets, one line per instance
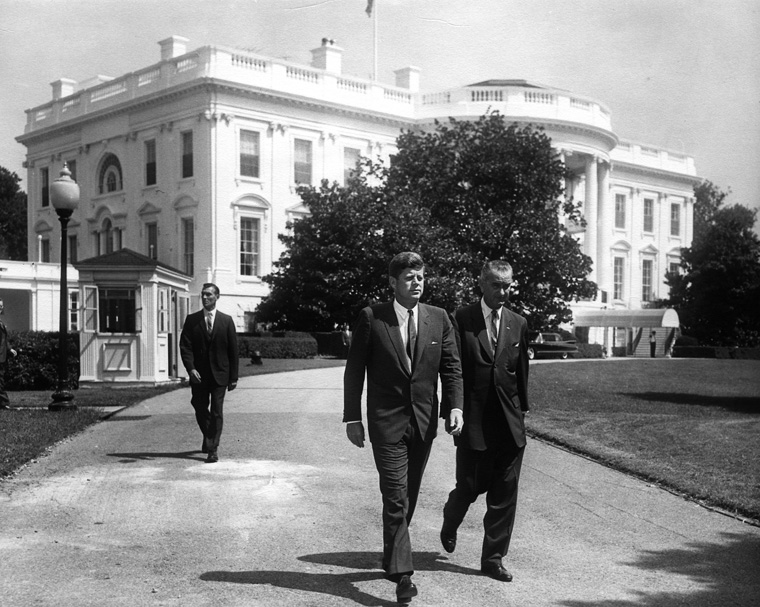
[215, 357]
[4, 347]
[507, 374]
[394, 393]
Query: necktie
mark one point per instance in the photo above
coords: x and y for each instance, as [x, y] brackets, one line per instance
[209, 325]
[411, 335]
[494, 329]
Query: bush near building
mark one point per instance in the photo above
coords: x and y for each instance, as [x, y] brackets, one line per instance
[36, 365]
[289, 345]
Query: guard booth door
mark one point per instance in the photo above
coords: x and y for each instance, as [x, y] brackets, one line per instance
[180, 308]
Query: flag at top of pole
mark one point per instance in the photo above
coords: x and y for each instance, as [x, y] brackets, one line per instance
[369, 7]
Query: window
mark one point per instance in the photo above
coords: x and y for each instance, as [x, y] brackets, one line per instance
[116, 309]
[152, 234]
[110, 175]
[45, 186]
[302, 161]
[249, 246]
[646, 280]
[150, 162]
[250, 153]
[648, 215]
[674, 267]
[72, 165]
[74, 310]
[187, 154]
[188, 245]
[106, 238]
[350, 158]
[620, 211]
[72, 249]
[90, 309]
[675, 219]
[45, 250]
[163, 310]
[618, 278]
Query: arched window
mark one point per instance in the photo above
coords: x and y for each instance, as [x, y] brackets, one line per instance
[110, 176]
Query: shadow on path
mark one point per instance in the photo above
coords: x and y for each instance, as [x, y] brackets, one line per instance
[740, 404]
[340, 585]
[721, 574]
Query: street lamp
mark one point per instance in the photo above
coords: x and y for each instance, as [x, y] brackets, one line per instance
[64, 196]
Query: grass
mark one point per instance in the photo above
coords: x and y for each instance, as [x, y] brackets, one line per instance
[689, 425]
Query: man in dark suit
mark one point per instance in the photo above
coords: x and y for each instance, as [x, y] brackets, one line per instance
[493, 346]
[403, 346]
[208, 346]
[5, 349]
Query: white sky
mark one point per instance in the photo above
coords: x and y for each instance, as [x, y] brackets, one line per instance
[682, 74]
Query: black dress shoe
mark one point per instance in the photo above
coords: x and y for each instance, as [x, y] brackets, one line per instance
[497, 572]
[204, 447]
[448, 539]
[405, 589]
[212, 458]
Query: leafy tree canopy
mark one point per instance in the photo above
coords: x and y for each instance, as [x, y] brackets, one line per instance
[12, 217]
[718, 292]
[461, 194]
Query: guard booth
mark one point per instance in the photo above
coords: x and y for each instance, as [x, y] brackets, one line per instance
[130, 314]
[627, 332]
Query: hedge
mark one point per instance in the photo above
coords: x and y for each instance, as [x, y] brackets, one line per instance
[304, 346]
[588, 351]
[36, 365]
[716, 352]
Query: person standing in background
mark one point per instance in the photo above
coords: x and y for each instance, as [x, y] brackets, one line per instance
[5, 350]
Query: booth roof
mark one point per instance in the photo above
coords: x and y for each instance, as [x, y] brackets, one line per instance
[661, 317]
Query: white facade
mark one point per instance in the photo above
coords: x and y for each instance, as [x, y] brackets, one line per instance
[194, 161]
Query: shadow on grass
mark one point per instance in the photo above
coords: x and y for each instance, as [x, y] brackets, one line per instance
[740, 404]
[719, 573]
[341, 585]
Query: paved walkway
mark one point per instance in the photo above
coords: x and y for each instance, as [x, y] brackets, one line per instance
[128, 514]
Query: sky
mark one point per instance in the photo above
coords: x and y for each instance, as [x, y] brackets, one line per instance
[680, 74]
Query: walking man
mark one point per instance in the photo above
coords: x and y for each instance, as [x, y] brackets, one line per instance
[493, 346]
[5, 349]
[403, 346]
[209, 351]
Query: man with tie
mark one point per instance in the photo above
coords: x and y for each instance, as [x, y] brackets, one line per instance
[209, 351]
[493, 346]
[403, 346]
[5, 349]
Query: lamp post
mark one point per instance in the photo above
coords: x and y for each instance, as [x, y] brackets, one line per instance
[64, 196]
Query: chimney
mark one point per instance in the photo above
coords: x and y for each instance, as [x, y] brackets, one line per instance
[408, 78]
[327, 57]
[63, 88]
[173, 46]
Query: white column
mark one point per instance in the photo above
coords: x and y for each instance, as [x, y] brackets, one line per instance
[605, 215]
[590, 212]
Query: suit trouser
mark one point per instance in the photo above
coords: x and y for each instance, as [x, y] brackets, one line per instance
[4, 400]
[400, 466]
[495, 472]
[208, 402]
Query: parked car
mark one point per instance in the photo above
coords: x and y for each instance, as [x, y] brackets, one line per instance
[549, 345]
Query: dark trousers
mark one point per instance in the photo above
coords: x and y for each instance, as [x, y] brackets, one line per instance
[4, 401]
[495, 472]
[652, 349]
[400, 466]
[208, 402]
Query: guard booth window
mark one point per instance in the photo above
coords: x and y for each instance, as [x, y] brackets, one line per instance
[117, 309]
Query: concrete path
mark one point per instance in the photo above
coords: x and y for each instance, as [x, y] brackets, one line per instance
[128, 514]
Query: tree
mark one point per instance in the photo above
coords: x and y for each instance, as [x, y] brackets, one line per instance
[12, 217]
[459, 195]
[716, 295]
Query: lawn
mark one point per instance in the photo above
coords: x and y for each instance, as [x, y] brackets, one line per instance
[690, 425]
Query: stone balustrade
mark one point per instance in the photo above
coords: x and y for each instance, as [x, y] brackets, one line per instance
[653, 157]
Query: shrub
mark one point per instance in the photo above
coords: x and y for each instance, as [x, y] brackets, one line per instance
[686, 340]
[331, 344]
[589, 351]
[278, 347]
[36, 366]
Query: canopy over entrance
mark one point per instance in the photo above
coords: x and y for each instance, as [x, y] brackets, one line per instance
[661, 317]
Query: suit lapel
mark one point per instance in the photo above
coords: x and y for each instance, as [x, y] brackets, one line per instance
[504, 328]
[479, 328]
[423, 332]
[390, 320]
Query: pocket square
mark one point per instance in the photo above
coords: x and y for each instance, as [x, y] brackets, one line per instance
[433, 343]
[516, 345]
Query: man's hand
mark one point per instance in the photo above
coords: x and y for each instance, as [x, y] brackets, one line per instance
[13, 352]
[195, 377]
[232, 386]
[455, 423]
[355, 433]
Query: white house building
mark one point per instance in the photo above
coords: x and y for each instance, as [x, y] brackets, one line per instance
[194, 161]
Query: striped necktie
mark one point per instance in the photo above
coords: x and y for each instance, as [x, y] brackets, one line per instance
[411, 335]
[494, 329]
[209, 325]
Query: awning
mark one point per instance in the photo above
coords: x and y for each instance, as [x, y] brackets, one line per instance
[661, 317]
